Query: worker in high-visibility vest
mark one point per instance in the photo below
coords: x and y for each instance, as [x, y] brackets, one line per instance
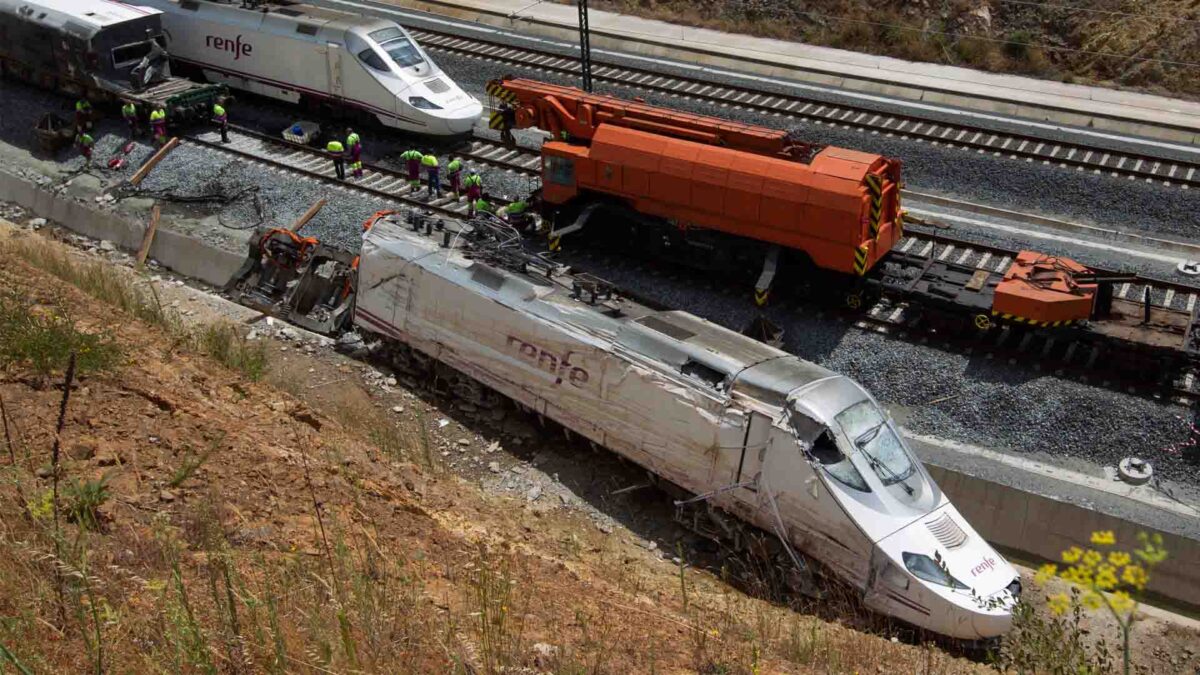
[480, 205]
[354, 145]
[474, 185]
[158, 125]
[517, 214]
[129, 113]
[430, 162]
[221, 119]
[413, 159]
[84, 142]
[454, 172]
[83, 115]
[337, 152]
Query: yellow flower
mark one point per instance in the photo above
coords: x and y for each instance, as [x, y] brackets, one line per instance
[1122, 603]
[1135, 575]
[1104, 538]
[715, 632]
[1106, 577]
[1092, 600]
[1059, 603]
[1072, 555]
[1118, 558]
[1092, 558]
[1045, 572]
[1078, 574]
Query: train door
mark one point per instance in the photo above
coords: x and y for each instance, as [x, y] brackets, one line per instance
[333, 61]
[747, 434]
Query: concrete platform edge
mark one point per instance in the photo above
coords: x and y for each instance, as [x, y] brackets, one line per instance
[1034, 525]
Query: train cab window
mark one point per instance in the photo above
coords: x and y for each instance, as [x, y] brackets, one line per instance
[307, 28]
[826, 451]
[866, 426]
[560, 170]
[399, 48]
[369, 57]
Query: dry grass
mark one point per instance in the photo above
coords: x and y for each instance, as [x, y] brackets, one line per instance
[1147, 45]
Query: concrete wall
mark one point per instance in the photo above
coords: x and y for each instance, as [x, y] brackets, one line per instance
[178, 252]
[1042, 528]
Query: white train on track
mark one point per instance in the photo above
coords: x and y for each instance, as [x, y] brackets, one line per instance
[310, 55]
[796, 450]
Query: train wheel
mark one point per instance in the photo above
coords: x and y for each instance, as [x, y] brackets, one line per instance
[983, 322]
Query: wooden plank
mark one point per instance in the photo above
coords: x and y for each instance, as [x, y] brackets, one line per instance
[148, 239]
[141, 173]
[308, 215]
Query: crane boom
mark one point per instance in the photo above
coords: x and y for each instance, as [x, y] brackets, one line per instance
[556, 109]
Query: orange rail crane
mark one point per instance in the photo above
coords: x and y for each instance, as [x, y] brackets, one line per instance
[719, 192]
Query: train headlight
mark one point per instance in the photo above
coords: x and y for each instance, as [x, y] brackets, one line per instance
[421, 103]
[927, 569]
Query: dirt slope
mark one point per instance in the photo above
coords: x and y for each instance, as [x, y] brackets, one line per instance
[1143, 44]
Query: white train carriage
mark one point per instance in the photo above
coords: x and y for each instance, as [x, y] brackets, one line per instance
[296, 52]
[793, 448]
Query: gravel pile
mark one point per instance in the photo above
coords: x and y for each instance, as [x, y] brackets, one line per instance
[967, 398]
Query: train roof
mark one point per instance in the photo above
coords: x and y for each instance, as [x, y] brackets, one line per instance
[81, 17]
[706, 353]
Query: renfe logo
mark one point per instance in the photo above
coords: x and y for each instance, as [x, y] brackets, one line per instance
[987, 565]
[235, 47]
[550, 362]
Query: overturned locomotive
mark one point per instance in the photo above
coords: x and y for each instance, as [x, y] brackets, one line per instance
[791, 448]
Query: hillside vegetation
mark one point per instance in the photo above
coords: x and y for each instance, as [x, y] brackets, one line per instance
[1149, 45]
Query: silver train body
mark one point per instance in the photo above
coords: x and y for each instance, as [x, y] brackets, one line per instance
[788, 446]
[296, 52]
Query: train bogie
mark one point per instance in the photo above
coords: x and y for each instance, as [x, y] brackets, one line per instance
[300, 53]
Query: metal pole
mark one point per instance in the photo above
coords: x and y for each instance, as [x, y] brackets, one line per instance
[585, 47]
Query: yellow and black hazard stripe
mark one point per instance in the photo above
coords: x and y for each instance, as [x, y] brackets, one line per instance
[761, 296]
[860, 258]
[1031, 322]
[874, 183]
[497, 90]
[496, 121]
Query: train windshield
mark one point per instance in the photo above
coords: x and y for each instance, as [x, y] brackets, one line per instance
[883, 450]
[402, 50]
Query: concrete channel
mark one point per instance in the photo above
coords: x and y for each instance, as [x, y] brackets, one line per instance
[1031, 510]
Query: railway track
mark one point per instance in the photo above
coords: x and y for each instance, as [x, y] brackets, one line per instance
[1078, 157]
[281, 155]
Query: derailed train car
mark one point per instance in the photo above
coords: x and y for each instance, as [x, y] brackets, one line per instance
[98, 49]
[790, 447]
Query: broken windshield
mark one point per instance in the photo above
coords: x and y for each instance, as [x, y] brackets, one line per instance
[865, 425]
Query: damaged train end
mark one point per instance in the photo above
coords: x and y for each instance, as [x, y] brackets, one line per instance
[297, 279]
